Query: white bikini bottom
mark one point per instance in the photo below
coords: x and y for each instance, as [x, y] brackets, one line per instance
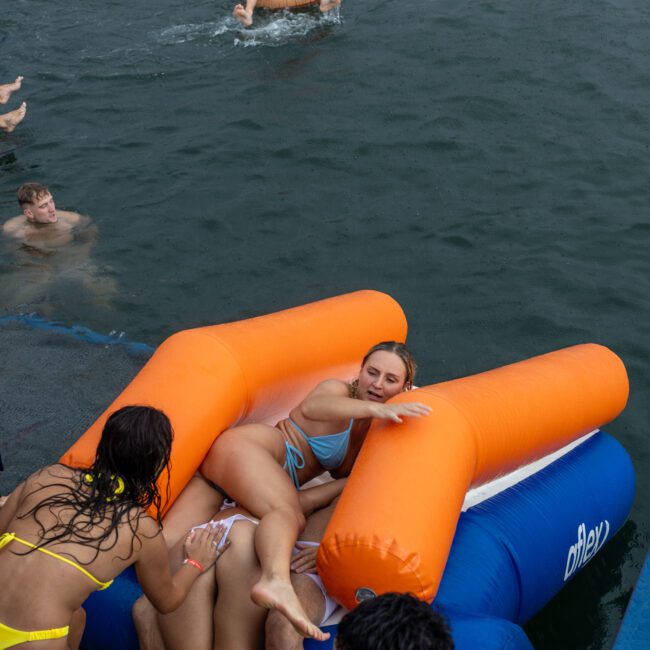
[330, 605]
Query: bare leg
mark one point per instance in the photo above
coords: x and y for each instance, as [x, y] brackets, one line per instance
[195, 505]
[244, 462]
[245, 14]
[238, 621]
[146, 625]
[328, 5]
[9, 121]
[7, 89]
[77, 625]
[280, 634]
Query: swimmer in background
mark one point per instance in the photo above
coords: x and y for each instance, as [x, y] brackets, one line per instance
[59, 245]
[9, 121]
[41, 226]
[244, 14]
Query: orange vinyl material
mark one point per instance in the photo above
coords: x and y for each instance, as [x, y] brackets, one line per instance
[212, 378]
[396, 519]
[284, 4]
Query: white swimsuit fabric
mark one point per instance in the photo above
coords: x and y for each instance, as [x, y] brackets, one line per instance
[330, 604]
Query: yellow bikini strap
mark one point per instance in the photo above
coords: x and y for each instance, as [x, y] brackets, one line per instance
[5, 538]
[8, 537]
[44, 635]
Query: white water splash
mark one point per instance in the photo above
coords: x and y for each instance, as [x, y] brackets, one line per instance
[178, 34]
[271, 28]
[279, 27]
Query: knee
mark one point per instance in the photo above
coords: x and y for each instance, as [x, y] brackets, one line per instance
[142, 611]
[296, 514]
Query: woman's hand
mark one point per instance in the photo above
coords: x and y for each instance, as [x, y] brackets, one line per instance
[394, 411]
[304, 561]
[202, 545]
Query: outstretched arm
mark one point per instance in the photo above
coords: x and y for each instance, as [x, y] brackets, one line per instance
[330, 401]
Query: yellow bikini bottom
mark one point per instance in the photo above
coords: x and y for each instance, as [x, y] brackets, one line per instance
[10, 637]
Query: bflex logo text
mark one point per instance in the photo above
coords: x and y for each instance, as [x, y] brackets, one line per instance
[586, 547]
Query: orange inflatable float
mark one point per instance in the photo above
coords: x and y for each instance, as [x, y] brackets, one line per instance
[212, 378]
[394, 525]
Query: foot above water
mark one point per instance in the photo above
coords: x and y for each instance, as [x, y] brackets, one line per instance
[279, 594]
[9, 121]
[243, 16]
[7, 89]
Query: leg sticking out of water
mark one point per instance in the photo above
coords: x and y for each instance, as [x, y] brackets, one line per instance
[9, 121]
[7, 89]
[245, 14]
[328, 5]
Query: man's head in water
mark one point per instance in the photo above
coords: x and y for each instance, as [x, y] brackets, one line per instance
[393, 622]
[37, 203]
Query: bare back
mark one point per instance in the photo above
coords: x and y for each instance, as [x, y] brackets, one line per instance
[49, 601]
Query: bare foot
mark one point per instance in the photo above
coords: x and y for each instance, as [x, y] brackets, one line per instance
[243, 16]
[279, 594]
[328, 5]
[7, 89]
[9, 121]
[3, 500]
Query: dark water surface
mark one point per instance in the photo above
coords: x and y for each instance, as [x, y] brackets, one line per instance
[486, 163]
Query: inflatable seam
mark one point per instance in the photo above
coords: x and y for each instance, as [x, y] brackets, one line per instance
[381, 549]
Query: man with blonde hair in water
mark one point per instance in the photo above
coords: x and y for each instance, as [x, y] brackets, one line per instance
[41, 225]
[244, 14]
[9, 121]
[59, 245]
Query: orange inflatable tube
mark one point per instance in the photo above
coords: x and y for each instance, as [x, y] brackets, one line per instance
[212, 378]
[396, 519]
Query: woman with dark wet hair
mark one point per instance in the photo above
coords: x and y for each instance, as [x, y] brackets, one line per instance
[66, 532]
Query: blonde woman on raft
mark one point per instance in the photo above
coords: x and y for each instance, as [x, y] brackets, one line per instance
[66, 532]
[262, 467]
[244, 14]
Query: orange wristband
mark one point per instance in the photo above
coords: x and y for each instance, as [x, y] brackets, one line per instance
[194, 563]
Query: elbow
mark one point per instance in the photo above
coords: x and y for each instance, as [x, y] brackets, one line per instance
[310, 409]
[168, 605]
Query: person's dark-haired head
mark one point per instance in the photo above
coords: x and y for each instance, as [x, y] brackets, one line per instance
[393, 622]
[135, 445]
[133, 451]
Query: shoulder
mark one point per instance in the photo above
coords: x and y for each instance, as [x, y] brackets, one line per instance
[332, 387]
[54, 471]
[50, 476]
[72, 218]
[12, 226]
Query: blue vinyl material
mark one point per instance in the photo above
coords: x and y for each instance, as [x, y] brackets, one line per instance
[512, 553]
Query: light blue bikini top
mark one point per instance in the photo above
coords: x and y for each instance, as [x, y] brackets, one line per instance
[329, 450]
